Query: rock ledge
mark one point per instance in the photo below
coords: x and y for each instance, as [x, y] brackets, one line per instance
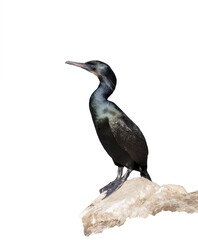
[137, 197]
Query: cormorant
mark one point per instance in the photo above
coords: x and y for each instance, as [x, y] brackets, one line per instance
[119, 135]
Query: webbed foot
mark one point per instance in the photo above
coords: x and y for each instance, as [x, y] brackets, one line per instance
[115, 186]
[105, 188]
[111, 184]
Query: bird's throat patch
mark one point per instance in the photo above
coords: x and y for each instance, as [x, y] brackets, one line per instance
[94, 73]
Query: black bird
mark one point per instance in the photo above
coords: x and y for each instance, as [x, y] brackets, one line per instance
[120, 137]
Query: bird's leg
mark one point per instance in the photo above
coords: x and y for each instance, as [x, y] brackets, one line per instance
[118, 183]
[120, 171]
[119, 175]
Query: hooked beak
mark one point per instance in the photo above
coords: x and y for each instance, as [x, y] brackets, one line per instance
[82, 65]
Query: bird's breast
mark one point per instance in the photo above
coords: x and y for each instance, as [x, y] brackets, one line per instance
[103, 110]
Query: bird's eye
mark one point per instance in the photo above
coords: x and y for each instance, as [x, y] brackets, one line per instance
[92, 67]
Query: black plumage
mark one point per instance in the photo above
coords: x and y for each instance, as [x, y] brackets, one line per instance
[119, 135]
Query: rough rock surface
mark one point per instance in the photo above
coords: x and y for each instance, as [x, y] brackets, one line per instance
[138, 197]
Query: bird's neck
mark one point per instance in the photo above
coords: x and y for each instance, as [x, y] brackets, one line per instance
[102, 92]
[105, 88]
[98, 100]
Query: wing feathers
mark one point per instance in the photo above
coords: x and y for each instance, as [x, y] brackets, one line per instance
[130, 138]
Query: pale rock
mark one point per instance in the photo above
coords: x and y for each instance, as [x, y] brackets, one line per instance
[137, 197]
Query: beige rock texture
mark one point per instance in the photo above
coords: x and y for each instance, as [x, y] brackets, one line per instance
[137, 197]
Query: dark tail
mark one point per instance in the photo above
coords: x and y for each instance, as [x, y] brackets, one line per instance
[144, 173]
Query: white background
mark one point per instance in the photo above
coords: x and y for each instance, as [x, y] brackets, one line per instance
[52, 164]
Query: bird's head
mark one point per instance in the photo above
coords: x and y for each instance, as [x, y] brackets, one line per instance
[98, 68]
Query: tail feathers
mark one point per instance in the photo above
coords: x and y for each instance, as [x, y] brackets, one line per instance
[145, 174]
